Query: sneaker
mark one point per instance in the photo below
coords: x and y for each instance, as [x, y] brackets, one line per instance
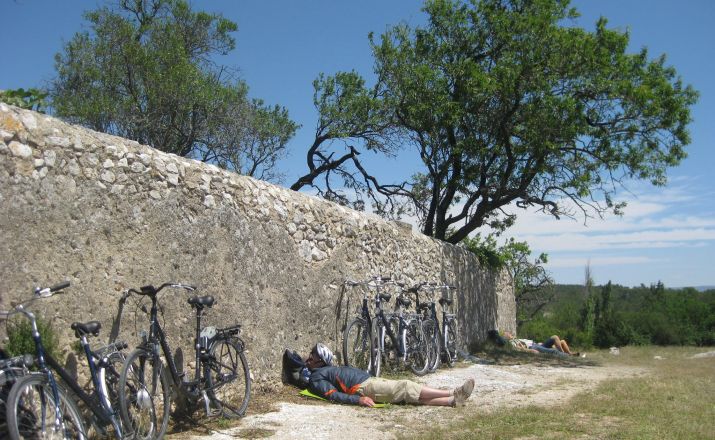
[462, 393]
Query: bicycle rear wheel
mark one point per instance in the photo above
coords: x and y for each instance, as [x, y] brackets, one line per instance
[144, 396]
[32, 410]
[358, 345]
[451, 342]
[417, 347]
[431, 330]
[228, 378]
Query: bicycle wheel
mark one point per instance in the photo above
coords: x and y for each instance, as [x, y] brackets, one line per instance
[357, 345]
[228, 379]
[417, 347]
[144, 396]
[377, 335]
[109, 378]
[451, 342]
[431, 331]
[32, 410]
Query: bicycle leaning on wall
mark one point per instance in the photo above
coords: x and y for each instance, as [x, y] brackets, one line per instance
[40, 407]
[221, 379]
[444, 338]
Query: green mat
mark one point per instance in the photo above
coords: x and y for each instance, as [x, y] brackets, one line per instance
[306, 392]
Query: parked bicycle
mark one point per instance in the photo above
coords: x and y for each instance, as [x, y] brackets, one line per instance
[221, 378]
[11, 369]
[359, 336]
[40, 407]
[444, 338]
[401, 336]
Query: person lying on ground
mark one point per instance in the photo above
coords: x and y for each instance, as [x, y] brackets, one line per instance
[553, 345]
[345, 384]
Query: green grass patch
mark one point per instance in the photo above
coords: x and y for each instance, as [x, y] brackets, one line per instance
[674, 400]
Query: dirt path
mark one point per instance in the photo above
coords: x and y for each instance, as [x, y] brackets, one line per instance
[497, 386]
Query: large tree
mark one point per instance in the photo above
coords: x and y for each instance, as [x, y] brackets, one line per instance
[507, 103]
[145, 70]
[352, 118]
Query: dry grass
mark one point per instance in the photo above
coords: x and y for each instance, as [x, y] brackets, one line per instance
[676, 400]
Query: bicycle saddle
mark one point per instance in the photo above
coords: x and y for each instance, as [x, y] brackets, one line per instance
[87, 328]
[201, 301]
[443, 301]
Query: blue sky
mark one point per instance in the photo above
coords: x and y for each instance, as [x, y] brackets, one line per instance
[666, 234]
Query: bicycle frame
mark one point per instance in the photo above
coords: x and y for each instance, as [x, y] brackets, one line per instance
[102, 410]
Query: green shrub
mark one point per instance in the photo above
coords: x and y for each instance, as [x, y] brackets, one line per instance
[19, 332]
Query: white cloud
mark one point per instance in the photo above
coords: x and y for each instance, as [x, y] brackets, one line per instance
[596, 262]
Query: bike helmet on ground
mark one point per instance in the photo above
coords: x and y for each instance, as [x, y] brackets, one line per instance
[323, 353]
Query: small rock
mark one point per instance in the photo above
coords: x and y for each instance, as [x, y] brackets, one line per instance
[108, 163]
[171, 168]
[29, 120]
[108, 176]
[20, 150]
[209, 201]
[137, 167]
[39, 163]
[154, 194]
[50, 158]
[172, 179]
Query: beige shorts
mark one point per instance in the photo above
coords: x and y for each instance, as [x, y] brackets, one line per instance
[392, 391]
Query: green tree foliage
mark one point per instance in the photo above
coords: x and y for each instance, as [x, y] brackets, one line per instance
[532, 284]
[507, 104]
[31, 99]
[629, 316]
[145, 70]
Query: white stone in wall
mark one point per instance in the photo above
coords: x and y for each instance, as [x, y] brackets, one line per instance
[108, 176]
[137, 167]
[108, 163]
[28, 119]
[173, 179]
[171, 168]
[122, 163]
[209, 201]
[20, 150]
[50, 157]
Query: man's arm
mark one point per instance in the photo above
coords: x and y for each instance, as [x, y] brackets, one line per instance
[326, 389]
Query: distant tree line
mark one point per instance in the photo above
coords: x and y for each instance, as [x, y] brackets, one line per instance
[614, 315]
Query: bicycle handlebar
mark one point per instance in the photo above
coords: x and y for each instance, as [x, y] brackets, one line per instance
[150, 290]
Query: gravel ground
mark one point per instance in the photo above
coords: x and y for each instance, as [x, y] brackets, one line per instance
[497, 387]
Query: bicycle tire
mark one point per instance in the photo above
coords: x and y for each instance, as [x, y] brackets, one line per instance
[377, 334]
[30, 399]
[228, 379]
[451, 341]
[417, 347]
[358, 345]
[432, 334]
[144, 407]
[109, 378]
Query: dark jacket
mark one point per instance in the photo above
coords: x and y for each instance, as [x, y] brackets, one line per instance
[339, 384]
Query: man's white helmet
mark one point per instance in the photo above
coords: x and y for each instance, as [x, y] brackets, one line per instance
[324, 353]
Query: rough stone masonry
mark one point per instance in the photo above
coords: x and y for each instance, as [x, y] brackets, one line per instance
[107, 213]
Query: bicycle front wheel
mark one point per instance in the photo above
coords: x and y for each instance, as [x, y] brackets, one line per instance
[228, 378]
[144, 396]
[32, 411]
[417, 347]
[432, 334]
[451, 342]
[358, 345]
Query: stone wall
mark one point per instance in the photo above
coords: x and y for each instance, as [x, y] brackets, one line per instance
[107, 213]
